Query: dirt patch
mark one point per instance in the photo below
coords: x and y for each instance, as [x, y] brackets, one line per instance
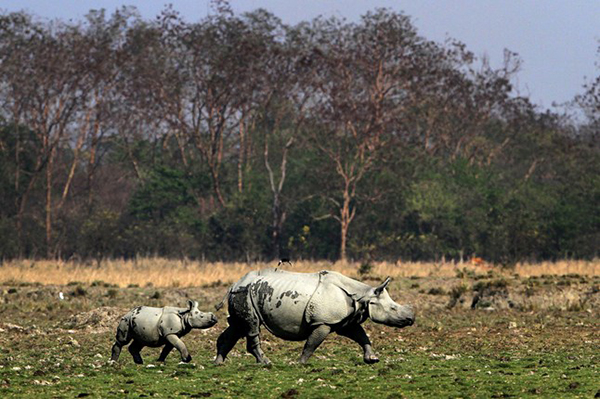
[525, 295]
[97, 320]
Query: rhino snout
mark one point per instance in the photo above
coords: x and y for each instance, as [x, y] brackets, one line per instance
[209, 319]
[409, 316]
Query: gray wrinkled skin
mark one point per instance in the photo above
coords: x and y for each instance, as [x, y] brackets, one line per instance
[306, 306]
[156, 327]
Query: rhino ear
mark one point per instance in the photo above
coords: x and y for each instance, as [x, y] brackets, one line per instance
[192, 304]
[379, 289]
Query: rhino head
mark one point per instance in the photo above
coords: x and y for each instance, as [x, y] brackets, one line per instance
[383, 309]
[194, 318]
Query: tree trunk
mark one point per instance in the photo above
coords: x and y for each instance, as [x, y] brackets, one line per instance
[217, 186]
[17, 178]
[276, 227]
[346, 215]
[344, 224]
[278, 215]
[92, 165]
[49, 205]
[241, 150]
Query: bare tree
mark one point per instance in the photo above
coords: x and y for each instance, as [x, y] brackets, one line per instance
[366, 79]
[48, 102]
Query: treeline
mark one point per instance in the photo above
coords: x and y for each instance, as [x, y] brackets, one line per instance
[241, 138]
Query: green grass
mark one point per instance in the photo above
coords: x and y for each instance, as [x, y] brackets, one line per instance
[448, 353]
[336, 371]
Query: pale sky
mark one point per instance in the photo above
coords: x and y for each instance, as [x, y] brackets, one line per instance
[557, 40]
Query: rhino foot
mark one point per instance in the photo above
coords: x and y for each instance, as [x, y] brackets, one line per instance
[371, 359]
[265, 362]
[219, 360]
[187, 359]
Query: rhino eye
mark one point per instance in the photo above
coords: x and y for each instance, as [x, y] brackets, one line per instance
[196, 312]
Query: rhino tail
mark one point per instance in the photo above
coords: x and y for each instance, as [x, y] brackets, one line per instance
[219, 305]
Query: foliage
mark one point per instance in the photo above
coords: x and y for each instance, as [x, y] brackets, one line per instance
[239, 137]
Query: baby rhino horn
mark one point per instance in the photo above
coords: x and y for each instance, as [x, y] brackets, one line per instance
[379, 289]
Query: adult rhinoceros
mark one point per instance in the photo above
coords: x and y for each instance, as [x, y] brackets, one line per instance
[306, 306]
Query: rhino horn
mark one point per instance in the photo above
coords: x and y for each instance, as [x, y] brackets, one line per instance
[379, 289]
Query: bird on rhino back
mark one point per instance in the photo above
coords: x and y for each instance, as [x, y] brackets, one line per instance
[155, 327]
[306, 306]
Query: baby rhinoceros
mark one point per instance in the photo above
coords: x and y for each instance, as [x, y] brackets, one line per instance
[155, 327]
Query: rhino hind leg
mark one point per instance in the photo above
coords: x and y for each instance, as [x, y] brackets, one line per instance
[316, 338]
[135, 349]
[226, 342]
[116, 351]
[356, 333]
[243, 321]
[253, 347]
[122, 338]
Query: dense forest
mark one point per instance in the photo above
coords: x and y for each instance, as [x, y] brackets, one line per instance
[239, 137]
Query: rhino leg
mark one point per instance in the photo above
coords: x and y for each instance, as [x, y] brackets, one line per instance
[316, 337]
[243, 320]
[116, 351]
[135, 349]
[253, 347]
[226, 342]
[165, 352]
[175, 341]
[122, 338]
[356, 333]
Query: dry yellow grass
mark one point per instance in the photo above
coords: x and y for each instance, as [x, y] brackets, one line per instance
[181, 273]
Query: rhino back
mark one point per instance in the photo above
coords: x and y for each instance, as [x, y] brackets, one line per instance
[290, 304]
[144, 324]
[281, 300]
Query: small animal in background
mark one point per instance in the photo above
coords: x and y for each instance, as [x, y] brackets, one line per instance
[282, 261]
[155, 327]
[477, 261]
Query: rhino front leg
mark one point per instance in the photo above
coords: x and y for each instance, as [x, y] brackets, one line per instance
[135, 349]
[226, 342]
[175, 341]
[314, 340]
[356, 333]
[253, 347]
[165, 352]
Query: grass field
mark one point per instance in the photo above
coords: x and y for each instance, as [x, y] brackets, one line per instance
[479, 333]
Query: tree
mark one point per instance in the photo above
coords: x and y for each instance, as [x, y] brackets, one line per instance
[367, 76]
